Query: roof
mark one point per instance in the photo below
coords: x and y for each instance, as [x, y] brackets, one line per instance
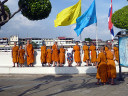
[122, 33]
[61, 38]
[4, 38]
[95, 40]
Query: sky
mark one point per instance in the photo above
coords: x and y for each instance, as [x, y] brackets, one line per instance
[21, 26]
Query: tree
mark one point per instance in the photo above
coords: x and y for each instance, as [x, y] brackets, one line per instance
[88, 39]
[35, 45]
[31, 9]
[120, 18]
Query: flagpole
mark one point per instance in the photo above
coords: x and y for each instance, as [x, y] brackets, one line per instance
[80, 37]
[81, 44]
[96, 38]
[112, 43]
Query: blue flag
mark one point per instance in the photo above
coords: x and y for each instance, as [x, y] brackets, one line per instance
[88, 18]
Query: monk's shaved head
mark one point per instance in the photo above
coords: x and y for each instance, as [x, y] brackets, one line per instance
[85, 43]
[15, 43]
[28, 41]
[55, 42]
[102, 49]
[92, 43]
[62, 46]
[109, 47]
[20, 46]
[76, 43]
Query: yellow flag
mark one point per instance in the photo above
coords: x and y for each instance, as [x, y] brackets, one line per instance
[69, 15]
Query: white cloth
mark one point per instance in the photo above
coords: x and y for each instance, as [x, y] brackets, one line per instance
[69, 50]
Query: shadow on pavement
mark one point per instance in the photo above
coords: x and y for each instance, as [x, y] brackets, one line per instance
[72, 87]
[2, 88]
[46, 80]
[31, 89]
[66, 78]
[67, 83]
[53, 78]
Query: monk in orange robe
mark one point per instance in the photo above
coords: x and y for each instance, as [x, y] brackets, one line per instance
[15, 54]
[86, 53]
[77, 58]
[116, 53]
[101, 67]
[106, 48]
[93, 53]
[111, 66]
[62, 56]
[43, 54]
[49, 56]
[29, 53]
[21, 54]
[55, 54]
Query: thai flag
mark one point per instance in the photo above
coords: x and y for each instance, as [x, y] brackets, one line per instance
[110, 25]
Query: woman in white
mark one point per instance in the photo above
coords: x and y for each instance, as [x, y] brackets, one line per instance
[70, 56]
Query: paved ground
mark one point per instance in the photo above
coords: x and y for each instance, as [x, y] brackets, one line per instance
[59, 85]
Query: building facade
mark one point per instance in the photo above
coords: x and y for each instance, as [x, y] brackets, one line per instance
[3, 42]
[14, 38]
[61, 41]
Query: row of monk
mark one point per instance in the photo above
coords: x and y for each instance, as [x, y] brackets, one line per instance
[57, 56]
[106, 69]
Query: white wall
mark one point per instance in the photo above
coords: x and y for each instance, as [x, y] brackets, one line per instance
[6, 67]
[6, 59]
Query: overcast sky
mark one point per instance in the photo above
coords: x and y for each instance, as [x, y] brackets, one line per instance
[21, 26]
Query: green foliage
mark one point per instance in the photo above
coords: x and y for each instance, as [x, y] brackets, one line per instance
[88, 39]
[35, 45]
[7, 10]
[120, 18]
[35, 9]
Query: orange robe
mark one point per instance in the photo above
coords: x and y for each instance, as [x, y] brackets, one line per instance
[55, 54]
[106, 49]
[93, 53]
[111, 65]
[116, 52]
[49, 56]
[30, 51]
[86, 53]
[102, 68]
[15, 54]
[77, 58]
[43, 54]
[21, 56]
[62, 55]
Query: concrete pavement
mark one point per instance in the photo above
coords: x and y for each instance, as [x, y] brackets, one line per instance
[59, 85]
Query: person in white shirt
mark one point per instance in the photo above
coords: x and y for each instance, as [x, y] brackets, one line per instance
[70, 56]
